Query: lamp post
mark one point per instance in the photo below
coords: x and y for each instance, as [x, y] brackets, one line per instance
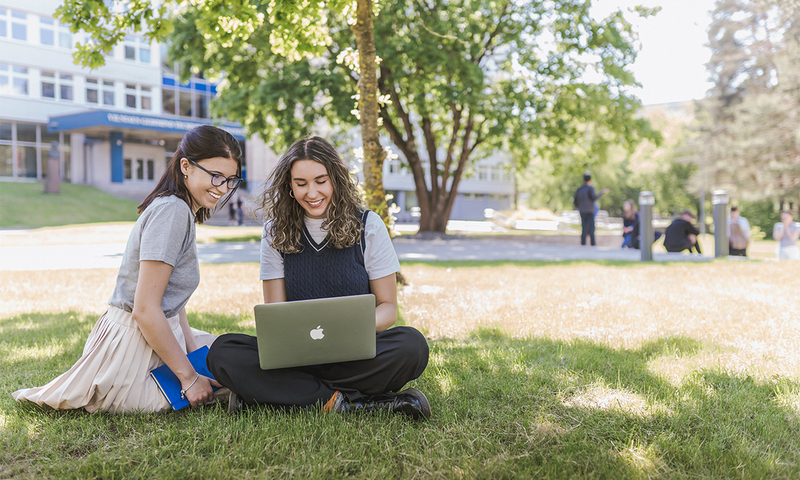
[719, 199]
[646, 202]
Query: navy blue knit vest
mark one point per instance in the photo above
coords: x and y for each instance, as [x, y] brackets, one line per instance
[320, 271]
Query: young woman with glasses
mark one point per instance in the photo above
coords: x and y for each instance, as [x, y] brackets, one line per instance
[320, 241]
[146, 325]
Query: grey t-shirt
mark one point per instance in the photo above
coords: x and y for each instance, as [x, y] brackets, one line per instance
[164, 232]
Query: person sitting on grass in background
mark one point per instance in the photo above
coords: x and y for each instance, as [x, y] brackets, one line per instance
[682, 234]
[630, 219]
[316, 222]
[786, 234]
[146, 325]
[738, 233]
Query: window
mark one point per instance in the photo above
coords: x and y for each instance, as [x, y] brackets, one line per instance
[52, 83]
[66, 87]
[19, 26]
[47, 31]
[185, 103]
[139, 169]
[130, 95]
[91, 90]
[108, 93]
[168, 100]
[48, 84]
[22, 145]
[136, 49]
[13, 79]
[144, 51]
[146, 99]
[192, 99]
[3, 22]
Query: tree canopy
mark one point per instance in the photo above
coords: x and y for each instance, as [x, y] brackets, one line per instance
[750, 123]
[459, 81]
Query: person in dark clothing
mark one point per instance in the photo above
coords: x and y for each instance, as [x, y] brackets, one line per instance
[320, 241]
[682, 235]
[239, 211]
[630, 220]
[584, 202]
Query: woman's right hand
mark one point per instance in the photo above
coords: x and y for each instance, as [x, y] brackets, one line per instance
[201, 392]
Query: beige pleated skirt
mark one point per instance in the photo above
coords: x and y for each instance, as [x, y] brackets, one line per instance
[113, 374]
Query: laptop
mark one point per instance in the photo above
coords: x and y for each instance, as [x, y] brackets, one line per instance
[318, 331]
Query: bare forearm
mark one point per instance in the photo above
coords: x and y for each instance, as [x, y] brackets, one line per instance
[191, 343]
[385, 316]
[155, 329]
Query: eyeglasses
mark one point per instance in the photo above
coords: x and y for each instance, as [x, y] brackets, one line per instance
[218, 180]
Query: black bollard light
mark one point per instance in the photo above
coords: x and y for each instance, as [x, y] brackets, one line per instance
[719, 199]
[646, 202]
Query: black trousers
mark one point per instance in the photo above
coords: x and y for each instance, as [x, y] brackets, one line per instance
[587, 227]
[736, 252]
[401, 356]
[686, 244]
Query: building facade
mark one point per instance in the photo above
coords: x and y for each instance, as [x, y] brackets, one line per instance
[116, 127]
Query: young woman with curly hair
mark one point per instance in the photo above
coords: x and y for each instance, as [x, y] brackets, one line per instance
[320, 241]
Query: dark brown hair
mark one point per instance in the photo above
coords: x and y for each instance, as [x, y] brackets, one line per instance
[201, 143]
[284, 216]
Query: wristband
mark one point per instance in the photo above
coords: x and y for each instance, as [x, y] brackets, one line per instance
[184, 390]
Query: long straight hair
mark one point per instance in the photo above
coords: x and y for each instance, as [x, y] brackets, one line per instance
[630, 215]
[201, 143]
[284, 216]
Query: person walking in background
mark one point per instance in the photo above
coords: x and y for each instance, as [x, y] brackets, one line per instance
[630, 219]
[231, 213]
[682, 234]
[786, 234]
[239, 211]
[738, 233]
[585, 198]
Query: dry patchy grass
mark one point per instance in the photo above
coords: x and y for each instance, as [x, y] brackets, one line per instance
[748, 310]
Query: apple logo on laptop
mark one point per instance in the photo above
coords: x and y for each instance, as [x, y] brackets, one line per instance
[316, 333]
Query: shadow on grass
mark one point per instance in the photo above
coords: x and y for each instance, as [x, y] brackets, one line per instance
[504, 407]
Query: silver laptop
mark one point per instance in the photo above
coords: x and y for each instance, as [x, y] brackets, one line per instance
[312, 332]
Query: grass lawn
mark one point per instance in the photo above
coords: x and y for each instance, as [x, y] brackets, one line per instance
[536, 371]
[26, 205]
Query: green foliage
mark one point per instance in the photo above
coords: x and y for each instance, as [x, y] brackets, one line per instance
[750, 125]
[762, 215]
[26, 205]
[295, 29]
[460, 81]
[662, 165]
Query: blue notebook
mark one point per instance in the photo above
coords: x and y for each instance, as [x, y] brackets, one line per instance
[169, 384]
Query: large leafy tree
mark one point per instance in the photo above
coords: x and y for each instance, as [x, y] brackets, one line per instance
[749, 125]
[459, 80]
[290, 30]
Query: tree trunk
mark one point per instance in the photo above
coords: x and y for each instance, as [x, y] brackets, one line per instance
[374, 154]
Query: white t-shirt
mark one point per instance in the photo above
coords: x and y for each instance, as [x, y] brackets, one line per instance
[380, 259]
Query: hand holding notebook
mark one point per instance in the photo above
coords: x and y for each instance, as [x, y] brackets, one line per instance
[169, 384]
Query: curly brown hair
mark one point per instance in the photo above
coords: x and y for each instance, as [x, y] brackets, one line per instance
[284, 216]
